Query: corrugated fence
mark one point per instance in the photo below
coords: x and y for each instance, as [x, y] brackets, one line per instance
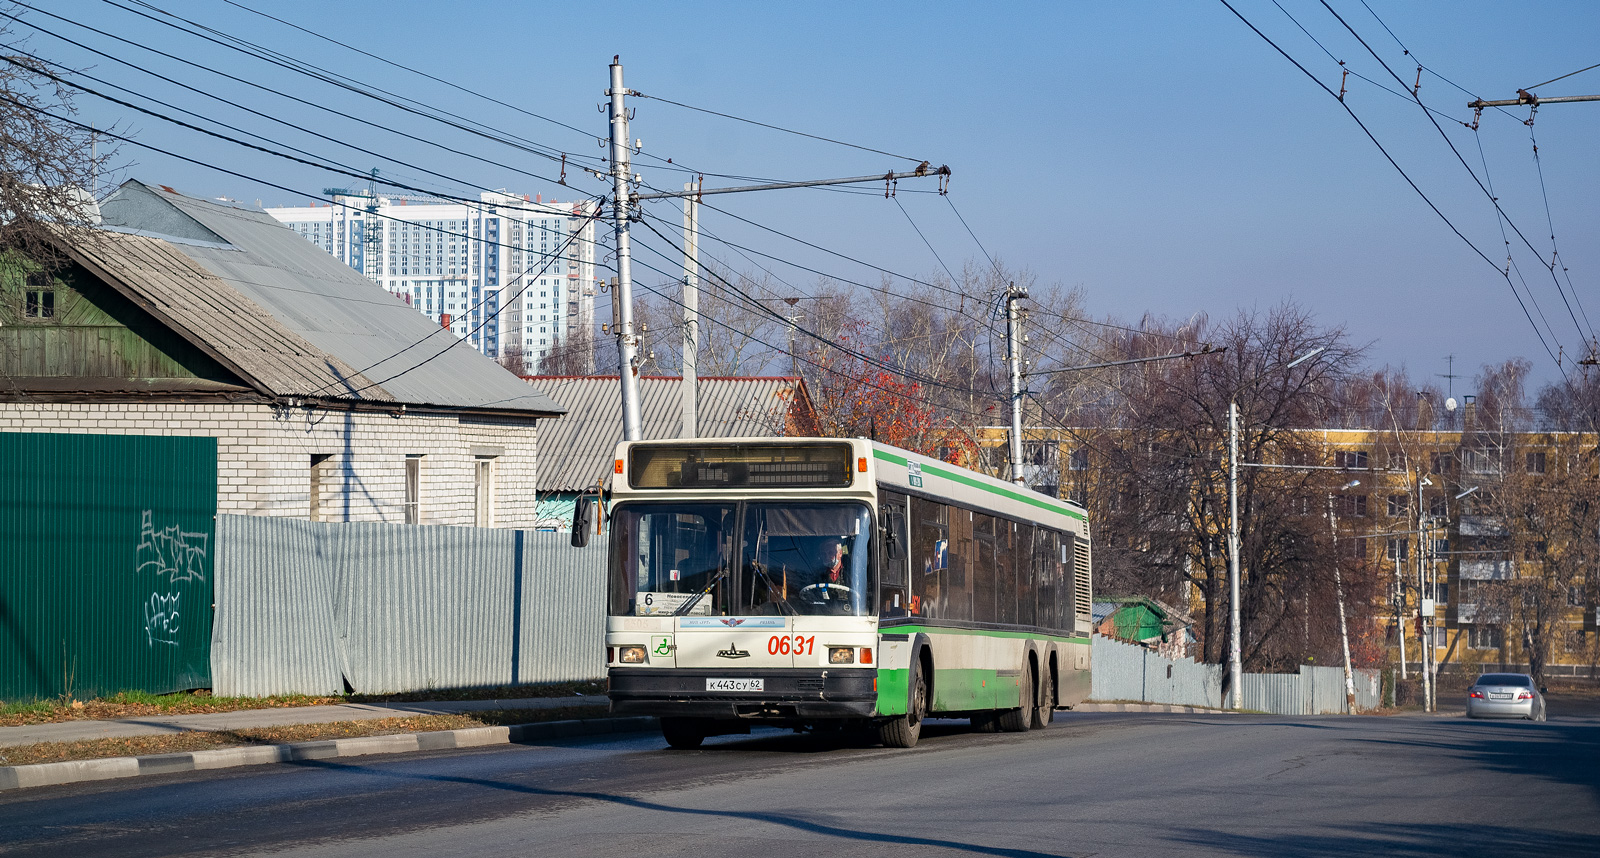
[1122, 671]
[310, 607]
[106, 572]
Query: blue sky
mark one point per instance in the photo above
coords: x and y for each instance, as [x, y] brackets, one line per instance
[1161, 156]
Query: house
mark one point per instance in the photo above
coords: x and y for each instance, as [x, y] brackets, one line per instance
[578, 448]
[330, 399]
[1148, 622]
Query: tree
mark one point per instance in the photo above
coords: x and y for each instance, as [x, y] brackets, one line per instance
[1155, 479]
[48, 162]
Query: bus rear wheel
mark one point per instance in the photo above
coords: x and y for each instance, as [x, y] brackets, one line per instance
[1018, 720]
[1046, 709]
[685, 734]
[903, 732]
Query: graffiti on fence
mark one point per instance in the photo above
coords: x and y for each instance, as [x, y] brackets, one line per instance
[170, 556]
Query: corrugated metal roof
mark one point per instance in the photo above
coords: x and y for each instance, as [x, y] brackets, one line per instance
[575, 451]
[240, 333]
[325, 302]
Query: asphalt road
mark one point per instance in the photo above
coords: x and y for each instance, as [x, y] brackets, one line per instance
[1092, 784]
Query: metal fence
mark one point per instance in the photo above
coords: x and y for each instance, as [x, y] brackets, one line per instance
[1122, 671]
[313, 607]
[106, 572]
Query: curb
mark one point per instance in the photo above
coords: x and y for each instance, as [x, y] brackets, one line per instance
[77, 771]
[1151, 707]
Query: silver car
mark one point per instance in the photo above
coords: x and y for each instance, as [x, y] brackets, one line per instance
[1505, 695]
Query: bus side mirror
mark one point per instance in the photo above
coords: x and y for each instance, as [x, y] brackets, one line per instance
[582, 521]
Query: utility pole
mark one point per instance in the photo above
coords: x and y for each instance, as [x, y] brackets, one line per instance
[690, 392]
[1344, 631]
[621, 203]
[1014, 362]
[1235, 662]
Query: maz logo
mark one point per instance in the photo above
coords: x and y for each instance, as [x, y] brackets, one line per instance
[733, 651]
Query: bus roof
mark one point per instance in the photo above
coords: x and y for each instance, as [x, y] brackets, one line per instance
[888, 467]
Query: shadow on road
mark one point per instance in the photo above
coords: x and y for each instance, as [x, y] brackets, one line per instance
[775, 743]
[1394, 839]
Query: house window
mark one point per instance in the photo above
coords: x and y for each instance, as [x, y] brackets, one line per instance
[321, 475]
[413, 501]
[1079, 460]
[1436, 506]
[1399, 549]
[1575, 596]
[1484, 637]
[1535, 463]
[1355, 549]
[483, 495]
[1534, 551]
[40, 298]
[1399, 505]
[1351, 459]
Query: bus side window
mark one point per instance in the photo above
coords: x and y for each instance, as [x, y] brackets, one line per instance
[893, 598]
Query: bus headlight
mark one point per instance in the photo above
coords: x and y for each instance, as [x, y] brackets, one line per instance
[841, 655]
[630, 654]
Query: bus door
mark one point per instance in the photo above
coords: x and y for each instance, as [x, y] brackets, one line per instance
[894, 592]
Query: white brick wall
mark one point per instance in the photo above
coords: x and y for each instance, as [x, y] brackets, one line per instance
[264, 456]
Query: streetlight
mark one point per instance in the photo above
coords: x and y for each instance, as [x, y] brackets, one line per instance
[1235, 660]
[1338, 588]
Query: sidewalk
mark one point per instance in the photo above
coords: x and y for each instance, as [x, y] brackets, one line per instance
[79, 731]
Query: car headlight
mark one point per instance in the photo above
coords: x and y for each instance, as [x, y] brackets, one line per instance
[631, 654]
[841, 655]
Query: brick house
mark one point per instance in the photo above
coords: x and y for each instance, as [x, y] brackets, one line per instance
[329, 398]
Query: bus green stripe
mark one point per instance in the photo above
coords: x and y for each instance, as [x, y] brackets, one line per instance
[941, 630]
[1030, 498]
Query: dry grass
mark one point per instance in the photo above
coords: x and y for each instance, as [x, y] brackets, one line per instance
[138, 704]
[51, 752]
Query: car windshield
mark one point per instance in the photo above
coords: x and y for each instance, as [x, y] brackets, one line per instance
[787, 558]
[1514, 679]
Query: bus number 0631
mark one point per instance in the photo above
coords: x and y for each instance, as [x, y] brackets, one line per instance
[795, 645]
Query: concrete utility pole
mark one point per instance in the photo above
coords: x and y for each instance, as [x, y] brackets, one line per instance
[690, 392]
[621, 199]
[1014, 362]
[1235, 663]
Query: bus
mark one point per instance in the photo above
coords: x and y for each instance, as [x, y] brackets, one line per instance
[832, 584]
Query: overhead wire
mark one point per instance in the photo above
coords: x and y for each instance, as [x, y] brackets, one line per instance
[637, 94]
[1402, 172]
[261, 87]
[1486, 192]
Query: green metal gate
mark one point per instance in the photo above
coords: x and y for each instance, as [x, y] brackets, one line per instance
[106, 566]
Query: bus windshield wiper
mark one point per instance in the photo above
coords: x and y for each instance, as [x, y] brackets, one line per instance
[688, 606]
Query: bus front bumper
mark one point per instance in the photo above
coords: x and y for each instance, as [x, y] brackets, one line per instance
[786, 695]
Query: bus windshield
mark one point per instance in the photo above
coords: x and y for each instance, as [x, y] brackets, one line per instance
[727, 559]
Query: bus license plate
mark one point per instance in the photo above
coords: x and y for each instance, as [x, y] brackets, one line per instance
[735, 685]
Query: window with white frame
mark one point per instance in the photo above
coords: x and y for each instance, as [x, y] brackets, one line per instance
[483, 490]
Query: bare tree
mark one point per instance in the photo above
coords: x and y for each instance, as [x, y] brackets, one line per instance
[48, 161]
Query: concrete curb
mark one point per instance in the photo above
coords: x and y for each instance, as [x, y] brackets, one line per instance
[1151, 707]
[77, 771]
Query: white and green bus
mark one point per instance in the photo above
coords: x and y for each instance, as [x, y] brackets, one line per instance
[825, 584]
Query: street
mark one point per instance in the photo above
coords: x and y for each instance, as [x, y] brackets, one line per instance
[1092, 784]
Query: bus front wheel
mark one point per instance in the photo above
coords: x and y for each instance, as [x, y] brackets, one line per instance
[903, 732]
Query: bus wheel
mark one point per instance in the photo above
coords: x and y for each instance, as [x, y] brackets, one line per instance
[903, 732]
[1018, 720]
[986, 722]
[1047, 703]
[685, 734]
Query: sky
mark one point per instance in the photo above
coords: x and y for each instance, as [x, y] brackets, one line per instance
[1160, 156]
